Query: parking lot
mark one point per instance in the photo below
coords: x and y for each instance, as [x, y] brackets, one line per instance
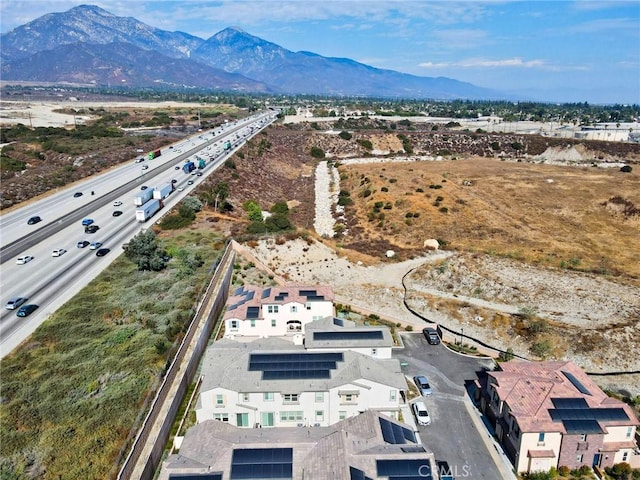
[452, 435]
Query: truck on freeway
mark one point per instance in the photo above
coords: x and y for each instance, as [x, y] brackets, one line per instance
[201, 163]
[154, 154]
[143, 197]
[188, 167]
[162, 192]
[227, 145]
[148, 210]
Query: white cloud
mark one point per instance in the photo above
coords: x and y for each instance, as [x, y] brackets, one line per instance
[515, 62]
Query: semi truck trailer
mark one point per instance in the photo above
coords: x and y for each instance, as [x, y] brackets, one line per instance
[148, 210]
[143, 197]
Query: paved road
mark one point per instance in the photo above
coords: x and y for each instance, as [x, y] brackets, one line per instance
[456, 433]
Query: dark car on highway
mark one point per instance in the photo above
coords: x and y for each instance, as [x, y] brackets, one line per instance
[83, 244]
[26, 310]
[102, 252]
[34, 220]
[77, 194]
[117, 213]
[91, 229]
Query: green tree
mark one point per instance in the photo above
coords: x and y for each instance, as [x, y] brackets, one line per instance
[144, 250]
[254, 212]
[317, 152]
[280, 207]
[193, 203]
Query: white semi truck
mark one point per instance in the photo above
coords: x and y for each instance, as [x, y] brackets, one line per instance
[148, 210]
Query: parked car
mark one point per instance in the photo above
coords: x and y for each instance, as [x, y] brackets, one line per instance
[102, 252]
[95, 245]
[23, 259]
[77, 194]
[87, 221]
[117, 213]
[26, 310]
[421, 413]
[34, 220]
[58, 252]
[15, 302]
[117, 203]
[431, 335]
[423, 385]
[82, 244]
[91, 229]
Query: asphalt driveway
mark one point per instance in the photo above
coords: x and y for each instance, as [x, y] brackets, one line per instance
[452, 435]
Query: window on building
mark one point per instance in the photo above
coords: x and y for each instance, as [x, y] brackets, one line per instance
[253, 323]
[234, 324]
[242, 419]
[219, 399]
[541, 438]
[273, 322]
[308, 306]
[291, 416]
[583, 437]
[625, 455]
[319, 416]
[266, 419]
[392, 395]
[272, 309]
[374, 352]
[293, 308]
[342, 414]
[579, 458]
[267, 396]
[244, 397]
[221, 417]
[629, 432]
[290, 397]
[319, 397]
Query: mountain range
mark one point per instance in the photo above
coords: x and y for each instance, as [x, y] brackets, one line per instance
[87, 45]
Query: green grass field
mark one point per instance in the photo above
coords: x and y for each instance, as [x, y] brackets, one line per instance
[72, 395]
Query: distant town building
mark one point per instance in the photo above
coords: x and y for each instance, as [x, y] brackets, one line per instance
[551, 414]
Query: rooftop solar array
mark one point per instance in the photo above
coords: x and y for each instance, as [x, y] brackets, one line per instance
[569, 403]
[338, 321]
[404, 469]
[262, 463]
[576, 383]
[602, 414]
[253, 312]
[195, 476]
[395, 434]
[582, 426]
[357, 474]
[413, 449]
[266, 292]
[315, 298]
[308, 293]
[349, 335]
[238, 291]
[281, 296]
[289, 366]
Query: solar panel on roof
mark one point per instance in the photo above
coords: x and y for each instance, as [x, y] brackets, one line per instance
[232, 307]
[357, 474]
[394, 433]
[266, 292]
[338, 322]
[316, 298]
[262, 463]
[288, 366]
[250, 295]
[306, 293]
[582, 426]
[413, 449]
[405, 469]
[348, 335]
[253, 312]
[239, 290]
[601, 414]
[576, 383]
[569, 403]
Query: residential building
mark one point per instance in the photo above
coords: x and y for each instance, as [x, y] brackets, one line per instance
[551, 414]
[271, 382]
[339, 334]
[367, 446]
[275, 311]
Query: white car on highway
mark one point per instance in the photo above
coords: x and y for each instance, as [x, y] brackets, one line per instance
[58, 252]
[23, 259]
[117, 203]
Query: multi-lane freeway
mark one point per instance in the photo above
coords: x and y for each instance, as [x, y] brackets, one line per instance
[50, 281]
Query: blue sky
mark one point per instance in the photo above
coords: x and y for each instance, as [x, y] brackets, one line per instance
[553, 50]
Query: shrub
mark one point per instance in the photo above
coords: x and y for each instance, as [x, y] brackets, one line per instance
[564, 471]
[345, 135]
[230, 164]
[317, 152]
[626, 169]
[384, 189]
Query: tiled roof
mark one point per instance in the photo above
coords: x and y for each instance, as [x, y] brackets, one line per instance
[528, 388]
[242, 298]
